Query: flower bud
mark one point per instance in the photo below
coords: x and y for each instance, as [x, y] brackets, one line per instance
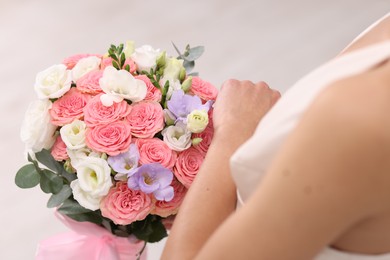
[161, 60]
[197, 140]
[182, 74]
[68, 167]
[186, 85]
[169, 118]
[129, 48]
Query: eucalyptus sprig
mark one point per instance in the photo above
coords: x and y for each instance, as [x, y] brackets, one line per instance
[189, 56]
[118, 57]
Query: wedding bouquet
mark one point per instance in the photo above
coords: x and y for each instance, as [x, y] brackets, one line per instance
[117, 139]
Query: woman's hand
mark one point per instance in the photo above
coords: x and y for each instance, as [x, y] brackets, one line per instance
[239, 108]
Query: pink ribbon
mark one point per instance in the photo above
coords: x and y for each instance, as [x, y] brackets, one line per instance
[87, 241]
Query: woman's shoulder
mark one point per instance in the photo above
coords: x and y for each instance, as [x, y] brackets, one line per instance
[354, 113]
[362, 99]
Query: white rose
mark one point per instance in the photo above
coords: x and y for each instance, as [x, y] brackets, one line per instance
[77, 156]
[119, 85]
[37, 132]
[53, 82]
[84, 66]
[177, 137]
[173, 68]
[73, 134]
[93, 182]
[145, 57]
[197, 121]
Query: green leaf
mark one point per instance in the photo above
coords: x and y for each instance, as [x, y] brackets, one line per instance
[50, 182]
[116, 65]
[127, 67]
[72, 207]
[92, 216]
[150, 229]
[113, 56]
[159, 232]
[188, 65]
[194, 53]
[120, 49]
[123, 59]
[27, 177]
[177, 50]
[193, 74]
[57, 199]
[47, 159]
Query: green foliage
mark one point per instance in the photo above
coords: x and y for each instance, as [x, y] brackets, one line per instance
[150, 229]
[118, 57]
[50, 182]
[189, 56]
[45, 158]
[57, 199]
[75, 211]
[27, 177]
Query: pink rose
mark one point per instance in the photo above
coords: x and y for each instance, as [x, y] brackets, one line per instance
[71, 61]
[203, 89]
[113, 138]
[95, 113]
[58, 151]
[207, 136]
[89, 83]
[146, 119]
[155, 150]
[68, 107]
[163, 208]
[153, 93]
[124, 206]
[187, 166]
[108, 62]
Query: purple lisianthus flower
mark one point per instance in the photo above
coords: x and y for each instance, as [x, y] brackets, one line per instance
[153, 178]
[181, 104]
[125, 163]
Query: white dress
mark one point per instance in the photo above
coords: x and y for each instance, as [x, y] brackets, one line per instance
[251, 160]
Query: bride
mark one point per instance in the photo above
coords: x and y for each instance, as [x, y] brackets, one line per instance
[308, 178]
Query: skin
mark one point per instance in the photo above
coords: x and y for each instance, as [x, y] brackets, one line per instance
[329, 185]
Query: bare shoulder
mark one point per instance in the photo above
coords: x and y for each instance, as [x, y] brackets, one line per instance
[362, 100]
[351, 119]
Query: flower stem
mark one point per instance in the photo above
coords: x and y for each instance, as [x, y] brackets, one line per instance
[141, 251]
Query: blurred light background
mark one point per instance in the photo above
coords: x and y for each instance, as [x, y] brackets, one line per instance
[275, 41]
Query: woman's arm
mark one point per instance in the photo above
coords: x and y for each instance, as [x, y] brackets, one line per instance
[332, 173]
[212, 196]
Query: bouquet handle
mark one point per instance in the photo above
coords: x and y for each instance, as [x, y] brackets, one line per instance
[88, 241]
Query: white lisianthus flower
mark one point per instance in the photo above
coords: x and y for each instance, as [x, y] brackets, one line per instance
[53, 82]
[172, 68]
[77, 156]
[84, 66]
[37, 132]
[145, 57]
[197, 120]
[177, 137]
[174, 84]
[93, 182]
[119, 85]
[73, 134]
